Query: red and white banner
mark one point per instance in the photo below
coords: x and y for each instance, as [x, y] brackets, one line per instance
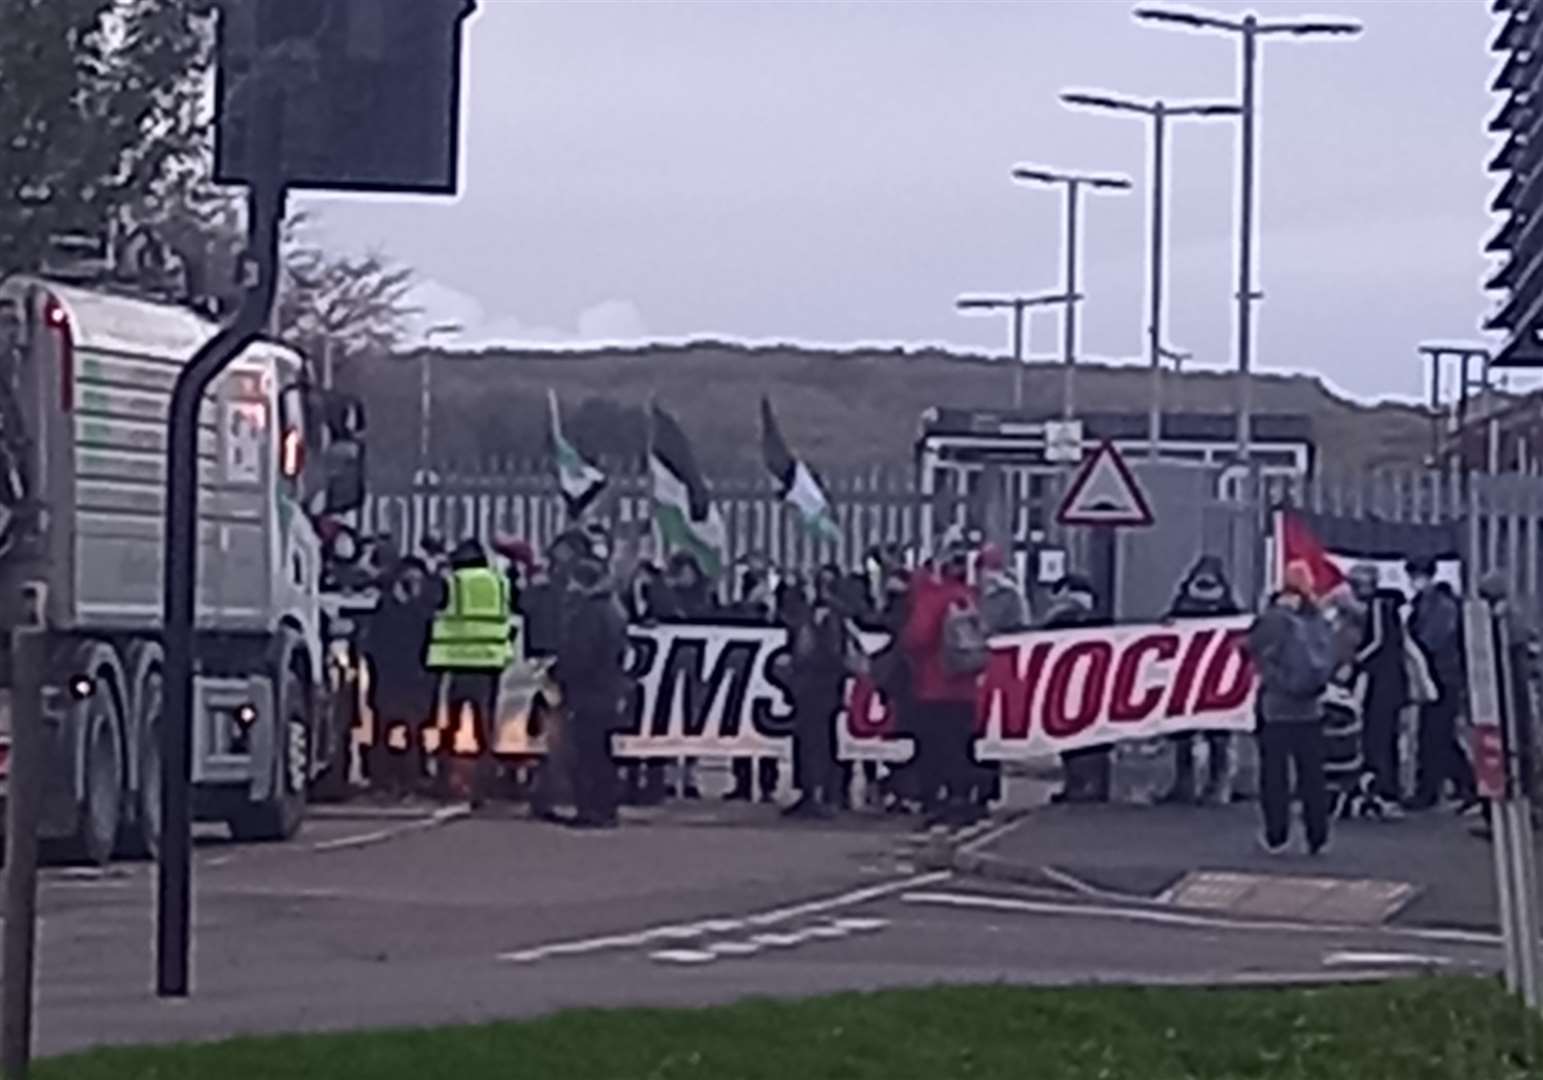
[1045, 693]
[721, 690]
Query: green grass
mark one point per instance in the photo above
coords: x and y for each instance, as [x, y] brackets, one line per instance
[1442, 1029]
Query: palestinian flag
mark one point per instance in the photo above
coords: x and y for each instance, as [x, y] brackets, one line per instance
[683, 509]
[581, 482]
[795, 483]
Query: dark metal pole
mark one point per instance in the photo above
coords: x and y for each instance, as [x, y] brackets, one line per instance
[1069, 324]
[1435, 407]
[28, 648]
[1018, 312]
[265, 214]
[1155, 328]
[1246, 245]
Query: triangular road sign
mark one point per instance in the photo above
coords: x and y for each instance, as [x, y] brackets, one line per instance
[1104, 493]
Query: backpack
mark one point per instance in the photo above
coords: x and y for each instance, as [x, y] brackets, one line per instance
[1307, 661]
[965, 646]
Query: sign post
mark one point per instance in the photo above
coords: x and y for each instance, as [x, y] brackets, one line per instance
[351, 95]
[1105, 496]
[1500, 726]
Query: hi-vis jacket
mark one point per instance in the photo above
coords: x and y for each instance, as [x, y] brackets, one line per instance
[472, 631]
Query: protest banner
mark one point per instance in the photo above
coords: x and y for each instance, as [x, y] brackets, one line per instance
[705, 690]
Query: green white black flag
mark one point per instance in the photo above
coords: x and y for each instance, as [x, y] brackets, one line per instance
[795, 483]
[581, 482]
[683, 508]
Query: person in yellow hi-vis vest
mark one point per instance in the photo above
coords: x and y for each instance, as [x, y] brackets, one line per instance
[470, 645]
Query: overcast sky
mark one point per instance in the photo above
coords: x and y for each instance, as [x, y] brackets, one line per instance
[839, 173]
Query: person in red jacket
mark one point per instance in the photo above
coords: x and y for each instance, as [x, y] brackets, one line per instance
[945, 699]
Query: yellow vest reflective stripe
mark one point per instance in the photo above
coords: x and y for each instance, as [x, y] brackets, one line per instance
[473, 630]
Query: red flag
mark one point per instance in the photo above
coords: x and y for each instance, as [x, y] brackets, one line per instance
[1297, 544]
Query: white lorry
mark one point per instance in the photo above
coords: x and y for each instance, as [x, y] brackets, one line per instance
[86, 376]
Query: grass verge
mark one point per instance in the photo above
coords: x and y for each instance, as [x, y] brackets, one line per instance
[1421, 1029]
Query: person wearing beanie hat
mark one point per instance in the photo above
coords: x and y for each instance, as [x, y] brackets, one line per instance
[1205, 593]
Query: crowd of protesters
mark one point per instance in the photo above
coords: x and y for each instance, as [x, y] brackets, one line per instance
[1341, 677]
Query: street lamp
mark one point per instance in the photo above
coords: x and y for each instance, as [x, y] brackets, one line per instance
[1017, 305]
[426, 392]
[1073, 183]
[1249, 29]
[1158, 111]
[1465, 354]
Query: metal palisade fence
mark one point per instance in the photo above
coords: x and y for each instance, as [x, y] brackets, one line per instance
[873, 506]
[1491, 523]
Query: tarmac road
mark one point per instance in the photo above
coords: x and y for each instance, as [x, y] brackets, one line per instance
[366, 923]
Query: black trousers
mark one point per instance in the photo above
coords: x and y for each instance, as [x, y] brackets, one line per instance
[1379, 734]
[1284, 748]
[750, 773]
[1441, 758]
[479, 691]
[594, 767]
[815, 772]
[944, 740]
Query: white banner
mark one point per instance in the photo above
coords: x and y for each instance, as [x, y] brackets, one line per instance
[721, 690]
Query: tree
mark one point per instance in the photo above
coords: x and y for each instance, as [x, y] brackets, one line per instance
[342, 306]
[99, 101]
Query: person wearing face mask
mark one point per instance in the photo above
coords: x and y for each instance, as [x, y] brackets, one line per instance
[1435, 626]
[1074, 603]
[1204, 593]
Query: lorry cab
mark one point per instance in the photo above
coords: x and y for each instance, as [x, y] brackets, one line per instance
[86, 376]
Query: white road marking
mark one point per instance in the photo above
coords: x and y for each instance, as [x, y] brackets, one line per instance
[1383, 959]
[360, 840]
[1175, 918]
[734, 948]
[861, 926]
[779, 941]
[688, 931]
[443, 816]
[683, 956]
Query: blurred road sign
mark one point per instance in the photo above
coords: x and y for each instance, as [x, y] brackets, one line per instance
[368, 91]
[1104, 492]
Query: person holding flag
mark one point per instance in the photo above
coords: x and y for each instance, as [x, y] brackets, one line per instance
[580, 482]
[796, 484]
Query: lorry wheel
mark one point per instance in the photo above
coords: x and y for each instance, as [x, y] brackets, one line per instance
[142, 839]
[280, 817]
[96, 829]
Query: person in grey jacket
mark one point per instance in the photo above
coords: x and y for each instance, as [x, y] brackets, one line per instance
[1292, 647]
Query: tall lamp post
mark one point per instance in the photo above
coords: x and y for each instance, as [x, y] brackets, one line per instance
[1073, 183]
[1017, 305]
[426, 393]
[1249, 29]
[1158, 112]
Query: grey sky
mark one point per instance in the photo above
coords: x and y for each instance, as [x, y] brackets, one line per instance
[840, 172]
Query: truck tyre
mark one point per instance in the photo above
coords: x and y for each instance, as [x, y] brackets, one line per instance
[96, 829]
[141, 838]
[280, 817]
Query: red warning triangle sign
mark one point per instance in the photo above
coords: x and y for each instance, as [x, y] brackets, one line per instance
[1104, 492]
